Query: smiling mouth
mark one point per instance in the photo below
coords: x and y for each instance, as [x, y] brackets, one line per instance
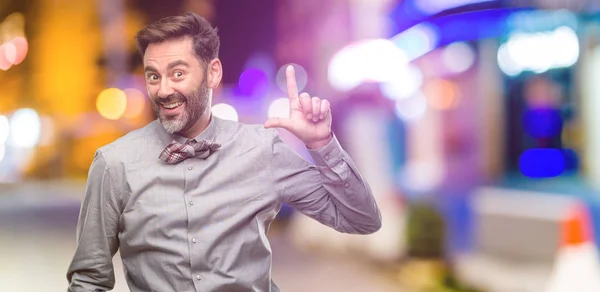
[172, 105]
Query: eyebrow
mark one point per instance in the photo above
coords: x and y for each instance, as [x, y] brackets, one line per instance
[170, 66]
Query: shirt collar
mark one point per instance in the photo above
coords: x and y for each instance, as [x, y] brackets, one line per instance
[210, 133]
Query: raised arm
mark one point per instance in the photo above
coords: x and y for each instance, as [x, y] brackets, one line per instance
[332, 192]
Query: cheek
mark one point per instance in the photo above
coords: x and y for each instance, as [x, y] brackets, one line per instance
[184, 87]
[152, 91]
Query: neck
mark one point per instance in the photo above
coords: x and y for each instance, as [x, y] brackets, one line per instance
[198, 127]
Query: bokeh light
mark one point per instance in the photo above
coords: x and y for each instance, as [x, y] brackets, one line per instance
[542, 163]
[253, 82]
[5, 64]
[417, 40]
[225, 111]
[301, 77]
[343, 74]
[539, 52]
[13, 44]
[442, 94]
[25, 128]
[458, 57]
[111, 103]
[375, 61]
[22, 47]
[404, 84]
[280, 108]
[10, 52]
[412, 108]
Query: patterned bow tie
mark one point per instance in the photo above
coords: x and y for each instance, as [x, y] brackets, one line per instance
[176, 152]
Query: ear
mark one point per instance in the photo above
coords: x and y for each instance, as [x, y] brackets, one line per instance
[214, 73]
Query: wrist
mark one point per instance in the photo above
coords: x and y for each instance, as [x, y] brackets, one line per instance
[320, 143]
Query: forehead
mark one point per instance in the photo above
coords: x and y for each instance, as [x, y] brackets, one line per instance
[178, 48]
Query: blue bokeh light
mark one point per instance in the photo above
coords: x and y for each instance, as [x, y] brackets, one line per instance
[253, 82]
[542, 163]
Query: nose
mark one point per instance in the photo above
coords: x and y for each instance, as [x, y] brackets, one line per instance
[165, 89]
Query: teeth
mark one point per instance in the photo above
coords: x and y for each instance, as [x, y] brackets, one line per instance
[172, 105]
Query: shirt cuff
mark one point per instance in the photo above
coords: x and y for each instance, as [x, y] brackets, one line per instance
[327, 155]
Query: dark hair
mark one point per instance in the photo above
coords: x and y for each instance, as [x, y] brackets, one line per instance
[205, 39]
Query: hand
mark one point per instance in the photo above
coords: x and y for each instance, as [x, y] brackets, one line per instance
[309, 119]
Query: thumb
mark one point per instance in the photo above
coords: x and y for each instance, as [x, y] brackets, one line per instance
[278, 123]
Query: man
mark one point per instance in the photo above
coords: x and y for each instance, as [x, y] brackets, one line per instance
[188, 199]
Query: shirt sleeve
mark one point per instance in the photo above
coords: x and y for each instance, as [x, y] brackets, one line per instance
[91, 268]
[330, 191]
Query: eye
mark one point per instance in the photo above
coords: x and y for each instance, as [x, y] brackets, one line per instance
[178, 74]
[152, 77]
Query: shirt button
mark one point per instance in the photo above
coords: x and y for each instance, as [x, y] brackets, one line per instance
[191, 203]
[346, 185]
[194, 240]
[326, 157]
[198, 277]
[190, 168]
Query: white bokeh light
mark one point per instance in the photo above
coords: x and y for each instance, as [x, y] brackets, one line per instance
[567, 38]
[382, 60]
[280, 108]
[25, 128]
[506, 63]
[458, 57]
[378, 60]
[301, 77]
[404, 84]
[539, 52]
[412, 108]
[225, 111]
[342, 73]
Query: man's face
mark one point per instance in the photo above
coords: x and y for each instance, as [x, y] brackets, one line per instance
[176, 83]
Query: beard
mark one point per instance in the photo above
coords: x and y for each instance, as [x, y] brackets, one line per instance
[195, 105]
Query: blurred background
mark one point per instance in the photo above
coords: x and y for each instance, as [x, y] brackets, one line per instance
[474, 121]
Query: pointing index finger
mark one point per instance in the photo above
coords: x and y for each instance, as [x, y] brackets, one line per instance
[292, 86]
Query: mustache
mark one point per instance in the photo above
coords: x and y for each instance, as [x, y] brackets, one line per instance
[175, 97]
